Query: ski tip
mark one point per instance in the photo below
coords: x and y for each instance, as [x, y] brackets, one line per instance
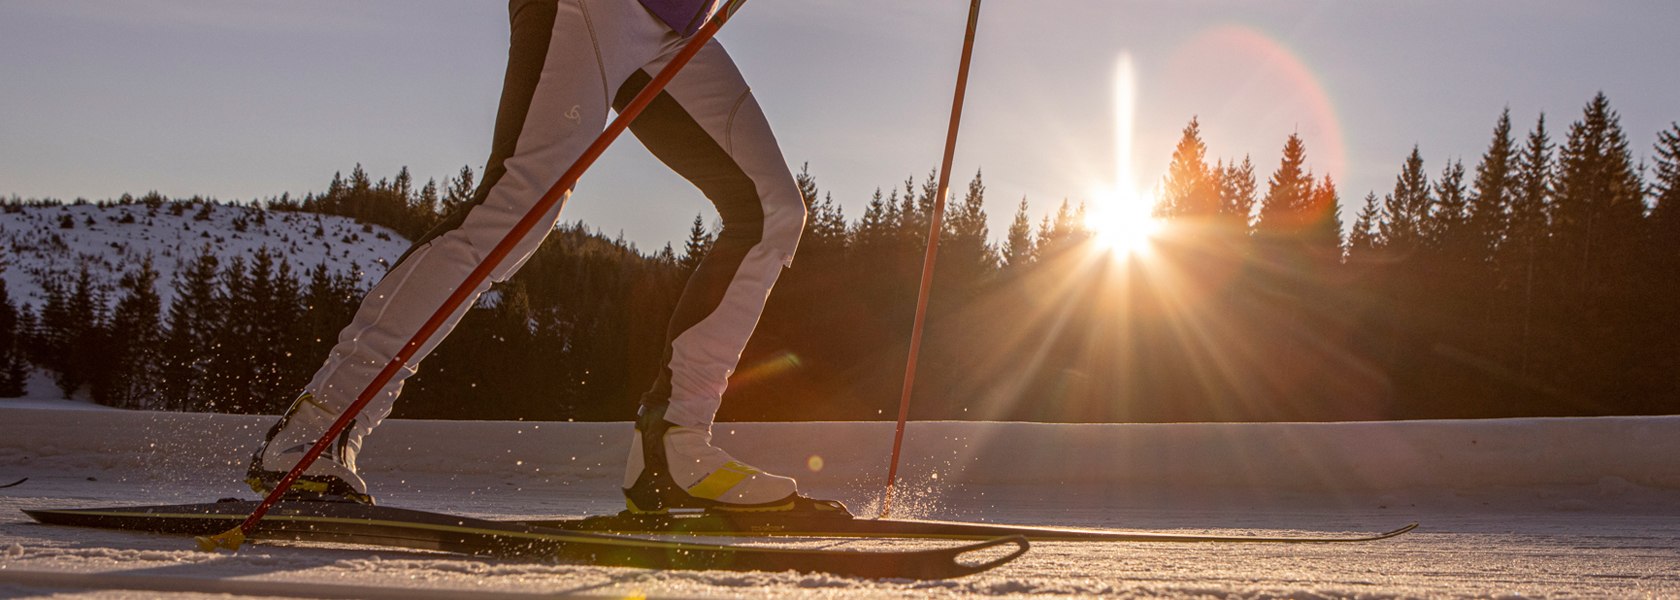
[14, 483]
[229, 540]
[978, 557]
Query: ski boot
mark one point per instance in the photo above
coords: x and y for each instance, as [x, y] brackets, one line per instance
[676, 467]
[332, 477]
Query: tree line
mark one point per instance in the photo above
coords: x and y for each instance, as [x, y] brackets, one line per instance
[1537, 281]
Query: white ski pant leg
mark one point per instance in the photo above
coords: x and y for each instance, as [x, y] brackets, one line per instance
[708, 127]
[565, 60]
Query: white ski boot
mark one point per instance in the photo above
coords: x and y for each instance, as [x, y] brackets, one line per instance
[332, 477]
[676, 467]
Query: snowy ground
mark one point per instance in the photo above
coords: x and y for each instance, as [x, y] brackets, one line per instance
[1516, 508]
[112, 240]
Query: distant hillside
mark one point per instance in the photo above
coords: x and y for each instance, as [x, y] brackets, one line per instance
[110, 238]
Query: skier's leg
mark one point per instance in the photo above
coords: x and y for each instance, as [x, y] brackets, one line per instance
[708, 128]
[554, 103]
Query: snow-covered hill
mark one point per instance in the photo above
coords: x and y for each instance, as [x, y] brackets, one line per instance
[113, 238]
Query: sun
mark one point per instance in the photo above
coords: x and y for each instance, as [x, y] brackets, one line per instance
[1121, 219]
[1123, 223]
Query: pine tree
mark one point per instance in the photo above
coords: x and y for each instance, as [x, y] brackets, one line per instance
[78, 333]
[872, 235]
[11, 347]
[1284, 211]
[828, 228]
[458, 192]
[1597, 235]
[825, 223]
[1663, 262]
[1189, 188]
[1446, 225]
[230, 372]
[964, 240]
[193, 321]
[1599, 208]
[1018, 248]
[1323, 226]
[136, 343]
[1237, 194]
[1364, 241]
[699, 244]
[1532, 202]
[426, 207]
[1492, 192]
[1665, 198]
[1408, 207]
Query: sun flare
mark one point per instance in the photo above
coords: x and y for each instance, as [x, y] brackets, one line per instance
[1120, 217]
[1123, 223]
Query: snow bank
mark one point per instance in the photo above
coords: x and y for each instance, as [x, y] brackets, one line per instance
[1611, 453]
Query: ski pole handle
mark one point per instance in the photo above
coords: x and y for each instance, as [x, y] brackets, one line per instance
[233, 538]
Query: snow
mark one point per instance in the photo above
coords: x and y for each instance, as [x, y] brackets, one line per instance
[1511, 508]
[33, 242]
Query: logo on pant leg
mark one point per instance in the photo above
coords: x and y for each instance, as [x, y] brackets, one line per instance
[575, 114]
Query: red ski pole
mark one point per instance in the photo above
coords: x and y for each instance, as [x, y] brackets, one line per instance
[233, 538]
[938, 223]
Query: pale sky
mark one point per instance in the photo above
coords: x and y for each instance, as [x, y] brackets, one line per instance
[240, 99]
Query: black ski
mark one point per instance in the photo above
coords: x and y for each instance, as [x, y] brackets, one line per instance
[394, 527]
[14, 483]
[771, 524]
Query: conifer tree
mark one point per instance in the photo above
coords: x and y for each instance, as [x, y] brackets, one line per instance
[1595, 242]
[1189, 188]
[1323, 227]
[77, 334]
[1063, 232]
[828, 227]
[1408, 208]
[1492, 192]
[136, 343]
[1664, 262]
[1446, 225]
[964, 242]
[873, 233]
[459, 191]
[193, 321]
[1519, 255]
[825, 222]
[230, 372]
[1284, 210]
[1018, 247]
[426, 207]
[1238, 193]
[1363, 240]
[699, 244]
[1599, 208]
[1665, 198]
[11, 348]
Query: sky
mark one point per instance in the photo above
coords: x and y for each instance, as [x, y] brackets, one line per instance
[240, 99]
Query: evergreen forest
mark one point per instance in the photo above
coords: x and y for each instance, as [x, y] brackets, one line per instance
[1537, 280]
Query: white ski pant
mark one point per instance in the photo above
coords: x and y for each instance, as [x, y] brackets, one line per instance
[569, 62]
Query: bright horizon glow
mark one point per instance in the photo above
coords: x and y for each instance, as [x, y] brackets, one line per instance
[1121, 216]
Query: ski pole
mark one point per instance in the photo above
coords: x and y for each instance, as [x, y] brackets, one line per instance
[938, 223]
[233, 538]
